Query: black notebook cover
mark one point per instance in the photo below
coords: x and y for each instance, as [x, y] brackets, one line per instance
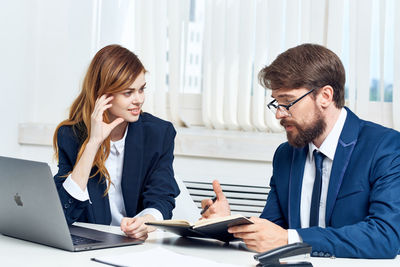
[217, 230]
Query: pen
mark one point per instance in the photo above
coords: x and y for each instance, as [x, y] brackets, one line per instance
[206, 207]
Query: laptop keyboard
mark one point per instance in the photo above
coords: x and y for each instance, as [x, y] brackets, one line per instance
[80, 240]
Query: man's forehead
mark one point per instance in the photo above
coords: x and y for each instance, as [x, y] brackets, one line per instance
[284, 92]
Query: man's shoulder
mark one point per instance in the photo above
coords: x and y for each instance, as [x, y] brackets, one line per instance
[369, 129]
[283, 151]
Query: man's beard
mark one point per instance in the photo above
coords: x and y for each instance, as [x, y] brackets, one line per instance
[305, 134]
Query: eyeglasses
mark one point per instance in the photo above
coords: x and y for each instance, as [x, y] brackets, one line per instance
[284, 109]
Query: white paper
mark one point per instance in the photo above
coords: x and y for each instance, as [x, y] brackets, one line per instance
[158, 257]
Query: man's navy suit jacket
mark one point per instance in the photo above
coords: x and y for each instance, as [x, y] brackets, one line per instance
[363, 202]
[147, 177]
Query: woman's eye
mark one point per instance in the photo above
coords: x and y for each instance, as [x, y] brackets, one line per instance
[141, 90]
[127, 93]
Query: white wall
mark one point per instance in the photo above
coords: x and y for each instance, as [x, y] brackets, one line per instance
[46, 47]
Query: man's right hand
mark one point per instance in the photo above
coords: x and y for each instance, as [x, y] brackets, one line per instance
[219, 208]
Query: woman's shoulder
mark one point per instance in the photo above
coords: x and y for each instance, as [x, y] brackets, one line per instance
[151, 120]
[75, 132]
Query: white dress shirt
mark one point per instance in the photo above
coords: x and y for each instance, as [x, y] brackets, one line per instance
[114, 165]
[328, 148]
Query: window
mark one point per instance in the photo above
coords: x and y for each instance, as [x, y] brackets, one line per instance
[214, 50]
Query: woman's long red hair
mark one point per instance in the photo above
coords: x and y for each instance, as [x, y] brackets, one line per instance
[113, 69]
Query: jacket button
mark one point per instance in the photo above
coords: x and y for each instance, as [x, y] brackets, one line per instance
[66, 205]
[321, 254]
[314, 254]
[70, 201]
[327, 255]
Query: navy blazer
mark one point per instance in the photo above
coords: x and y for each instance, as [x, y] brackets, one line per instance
[363, 202]
[147, 177]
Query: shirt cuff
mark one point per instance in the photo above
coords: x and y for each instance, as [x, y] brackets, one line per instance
[74, 190]
[151, 211]
[293, 236]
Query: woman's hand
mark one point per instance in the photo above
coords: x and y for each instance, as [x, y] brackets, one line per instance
[135, 227]
[99, 129]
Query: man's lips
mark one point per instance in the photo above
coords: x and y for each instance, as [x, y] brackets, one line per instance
[287, 125]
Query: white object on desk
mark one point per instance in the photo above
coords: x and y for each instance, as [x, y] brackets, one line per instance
[159, 257]
[185, 208]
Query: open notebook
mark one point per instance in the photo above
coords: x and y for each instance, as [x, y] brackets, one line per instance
[216, 228]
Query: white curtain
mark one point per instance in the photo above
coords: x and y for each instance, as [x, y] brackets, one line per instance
[396, 80]
[239, 37]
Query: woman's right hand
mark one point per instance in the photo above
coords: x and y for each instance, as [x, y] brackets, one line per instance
[99, 129]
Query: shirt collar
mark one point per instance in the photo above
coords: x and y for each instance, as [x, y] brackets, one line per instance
[328, 147]
[118, 146]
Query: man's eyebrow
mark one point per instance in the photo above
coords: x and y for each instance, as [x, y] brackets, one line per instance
[282, 96]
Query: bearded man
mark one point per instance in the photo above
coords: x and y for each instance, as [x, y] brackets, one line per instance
[336, 182]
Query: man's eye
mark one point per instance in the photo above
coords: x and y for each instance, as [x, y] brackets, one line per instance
[285, 102]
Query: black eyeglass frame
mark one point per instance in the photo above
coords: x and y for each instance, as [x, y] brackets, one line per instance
[288, 106]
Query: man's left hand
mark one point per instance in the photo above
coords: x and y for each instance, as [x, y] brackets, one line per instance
[261, 236]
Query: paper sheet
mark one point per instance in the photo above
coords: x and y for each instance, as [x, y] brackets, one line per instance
[158, 257]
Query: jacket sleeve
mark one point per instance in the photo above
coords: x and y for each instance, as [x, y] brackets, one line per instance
[378, 235]
[272, 210]
[160, 188]
[68, 147]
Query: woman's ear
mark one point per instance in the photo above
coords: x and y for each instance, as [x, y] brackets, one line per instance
[325, 96]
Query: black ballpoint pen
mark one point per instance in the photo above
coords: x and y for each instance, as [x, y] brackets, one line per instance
[206, 207]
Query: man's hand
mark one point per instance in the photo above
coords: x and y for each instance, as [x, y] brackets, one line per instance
[261, 236]
[135, 227]
[219, 208]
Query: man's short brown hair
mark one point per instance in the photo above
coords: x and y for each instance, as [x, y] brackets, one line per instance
[308, 65]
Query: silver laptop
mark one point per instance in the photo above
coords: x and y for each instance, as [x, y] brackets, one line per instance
[30, 209]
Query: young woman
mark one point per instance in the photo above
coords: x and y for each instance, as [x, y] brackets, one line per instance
[115, 161]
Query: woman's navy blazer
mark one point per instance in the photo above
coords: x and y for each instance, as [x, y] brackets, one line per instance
[147, 177]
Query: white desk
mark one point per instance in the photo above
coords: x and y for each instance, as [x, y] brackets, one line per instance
[15, 252]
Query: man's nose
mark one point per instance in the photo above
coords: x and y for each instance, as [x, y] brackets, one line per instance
[281, 113]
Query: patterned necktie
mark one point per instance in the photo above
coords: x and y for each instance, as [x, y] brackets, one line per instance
[316, 193]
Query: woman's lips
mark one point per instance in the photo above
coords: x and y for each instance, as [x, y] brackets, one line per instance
[134, 111]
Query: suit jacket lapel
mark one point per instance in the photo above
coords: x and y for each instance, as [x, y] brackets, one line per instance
[347, 141]
[132, 170]
[295, 185]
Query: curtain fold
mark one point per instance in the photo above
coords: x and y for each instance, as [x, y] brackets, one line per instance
[246, 55]
[207, 64]
[218, 13]
[259, 107]
[274, 27]
[232, 74]
[396, 67]
[146, 45]
[159, 72]
[362, 39]
[178, 16]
